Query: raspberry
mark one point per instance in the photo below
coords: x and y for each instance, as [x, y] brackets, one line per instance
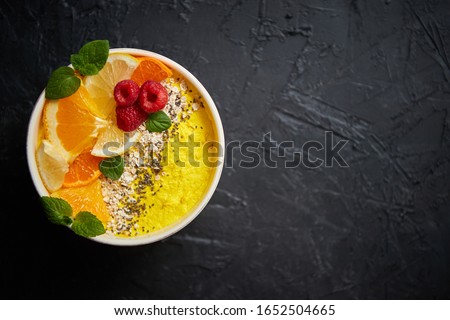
[129, 118]
[126, 93]
[152, 97]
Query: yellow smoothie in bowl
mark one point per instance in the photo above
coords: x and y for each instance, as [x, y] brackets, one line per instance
[128, 154]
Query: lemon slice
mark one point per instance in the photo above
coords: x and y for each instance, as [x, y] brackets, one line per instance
[52, 166]
[118, 67]
[112, 142]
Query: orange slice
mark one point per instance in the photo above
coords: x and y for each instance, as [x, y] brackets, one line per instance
[70, 125]
[150, 69]
[85, 198]
[82, 171]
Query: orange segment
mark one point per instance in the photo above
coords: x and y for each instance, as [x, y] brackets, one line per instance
[82, 171]
[150, 69]
[82, 98]
[85, 198]
[74, 124]
[70, 125]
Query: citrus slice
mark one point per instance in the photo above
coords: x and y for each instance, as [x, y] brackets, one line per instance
[150, 69]
[85, 198]
[82, 171]
[112, 141]
[52, 166]
[82, 98]
[118, 67]
[69, 124]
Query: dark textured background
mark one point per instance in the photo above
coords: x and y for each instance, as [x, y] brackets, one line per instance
[374, 72]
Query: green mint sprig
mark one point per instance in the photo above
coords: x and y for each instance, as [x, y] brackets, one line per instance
[62, 83]
[112, 167]
[87, 225]
[59, 212]
[158, 122]
[89, 60]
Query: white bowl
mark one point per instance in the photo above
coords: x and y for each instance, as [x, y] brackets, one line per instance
[32, 140]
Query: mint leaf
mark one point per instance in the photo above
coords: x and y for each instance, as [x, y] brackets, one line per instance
[158, 122]
[57, 210]
[76, 61]
[91, 58]
[87, 225]
[112, 167]
[62, 83]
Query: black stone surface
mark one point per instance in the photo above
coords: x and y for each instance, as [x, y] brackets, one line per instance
[374, 72]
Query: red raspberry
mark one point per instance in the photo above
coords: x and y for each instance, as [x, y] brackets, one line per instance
[152, 97]
[126, 93]
[130, 118]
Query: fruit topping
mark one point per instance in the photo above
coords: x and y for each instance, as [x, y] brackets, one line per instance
[126, 93]
[152, 96]
[150, 69]
[130, 118]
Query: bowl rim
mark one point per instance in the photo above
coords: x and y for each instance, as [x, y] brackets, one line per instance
[32, 139]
